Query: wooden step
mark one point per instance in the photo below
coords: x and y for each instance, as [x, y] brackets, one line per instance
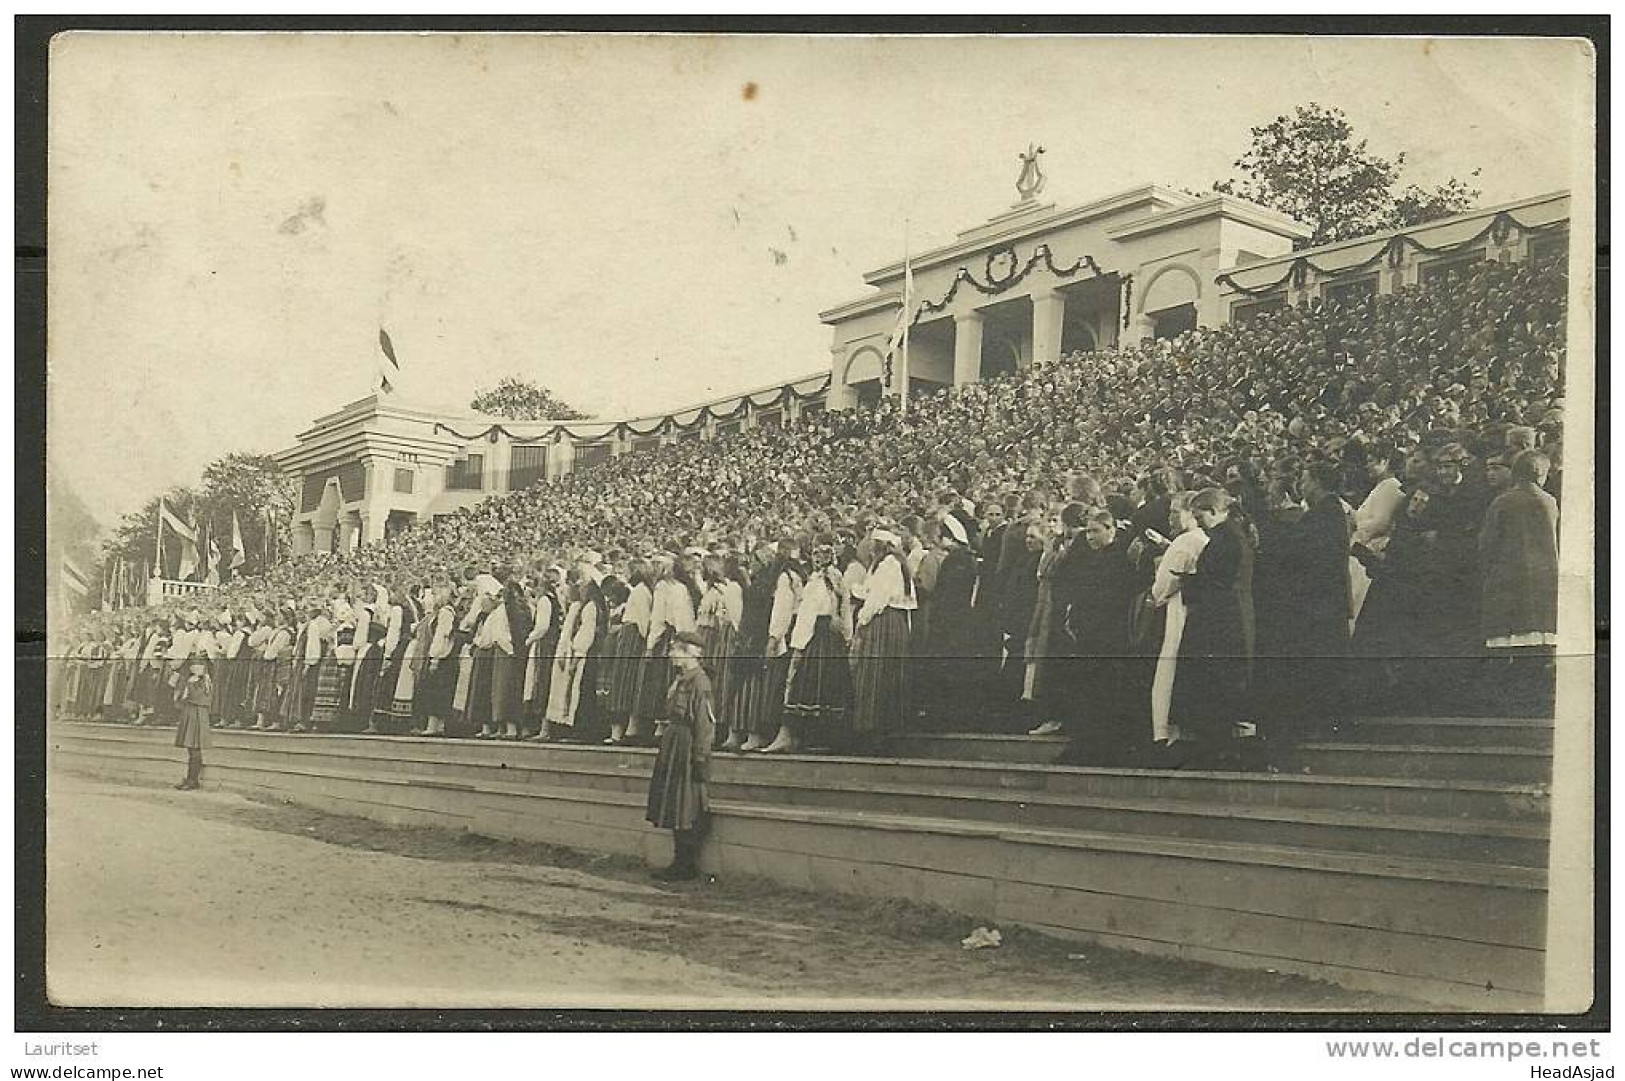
[1512, 764]
[1446, 731]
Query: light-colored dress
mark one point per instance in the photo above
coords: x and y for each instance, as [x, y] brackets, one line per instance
[1372, 524]
[1180, 558]
[570, 663]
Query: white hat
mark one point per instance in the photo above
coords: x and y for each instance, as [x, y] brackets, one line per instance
[487, 584]
[380, 597]
[954, 528]
[886, 536]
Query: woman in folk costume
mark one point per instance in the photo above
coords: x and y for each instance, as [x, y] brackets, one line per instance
[818, 689]
[473, 607]
[1518, 551]
[150, 677]
[211, 644]
[623, 653]
[195, 695]
[671, 613]
[576, 639]
[490, 632]
[119, 675]
[761, 697]
[1178, 562]
[333, 676]
[183, 646]
[718, 623]
[313, 643]
[398, 627]
[880, 704]
[951, 674]
[747, 696]
[93, 683]
[276, 671]
[434, 679]
[541, 649]
[507, 628]
[257, 633]
[678, 787]
[238, 664]
[371, 627]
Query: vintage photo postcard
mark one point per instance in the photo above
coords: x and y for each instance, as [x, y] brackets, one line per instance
[846, 522]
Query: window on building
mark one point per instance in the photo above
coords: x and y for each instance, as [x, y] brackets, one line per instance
[1450, 268]
[772, 418]
[689, 436]
[646, 444]
[589, 455]
[728, 429]
[527, 466]
[404, 480]
[1172, 322]
[1245, 311]
[466, 474]
[811, 409]
[1549, 248]
[1351, 290]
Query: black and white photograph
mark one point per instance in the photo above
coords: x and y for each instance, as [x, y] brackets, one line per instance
[849, 523]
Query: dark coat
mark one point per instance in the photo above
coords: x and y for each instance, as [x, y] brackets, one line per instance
[1518, 555]
[1210, 678]
[1311, 563]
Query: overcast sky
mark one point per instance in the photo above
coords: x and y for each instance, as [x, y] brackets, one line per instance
[232, 218]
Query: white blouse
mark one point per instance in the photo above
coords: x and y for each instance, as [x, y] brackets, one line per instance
[819, 599]
[1180, 558]
[886, 589]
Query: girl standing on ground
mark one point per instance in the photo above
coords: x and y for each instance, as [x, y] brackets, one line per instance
[194, 698]
[678, 797]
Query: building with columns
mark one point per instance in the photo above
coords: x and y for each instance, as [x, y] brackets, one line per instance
[1026, 287]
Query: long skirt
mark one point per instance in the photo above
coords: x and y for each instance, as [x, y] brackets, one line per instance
[434, 687]
[564, 696]
[507, 675]
[300, 694]
[193, 730]
[621, 664]
[654, 678]
[538, 680]
[332, 684]
[756, 704]
[270, 686]
[477, 709]
[819, 691]
[718, 658]
[1162, 684]
[220, 672]
[118, 681]
[364, 691]
[142, 680]
[462, 665]
[91, 689]
[383, 695]
[880, 676]
[73, 673]
[678, 798]
[239, 701]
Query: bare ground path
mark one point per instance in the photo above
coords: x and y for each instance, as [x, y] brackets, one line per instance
[157, 897]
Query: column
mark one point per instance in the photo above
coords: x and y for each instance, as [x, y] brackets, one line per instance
[1140, 328]
[321, 537]
[1049, 309]
[303, 538]
[968, 347]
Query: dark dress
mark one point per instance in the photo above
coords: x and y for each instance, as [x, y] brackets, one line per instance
[1518, 547]
[194, 699]
[1209, 682]
[1108, 692]
[948, 670]
[1309, 609]
[678, 787]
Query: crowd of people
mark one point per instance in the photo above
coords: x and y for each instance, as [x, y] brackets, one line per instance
[1180, 552]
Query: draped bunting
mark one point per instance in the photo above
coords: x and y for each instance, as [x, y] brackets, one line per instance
[761, 399]
[1394, 250]
[1040, 257]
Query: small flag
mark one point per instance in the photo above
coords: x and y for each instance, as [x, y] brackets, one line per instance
[897, 341]
[389, 369]
[239, 555]
[212, 568]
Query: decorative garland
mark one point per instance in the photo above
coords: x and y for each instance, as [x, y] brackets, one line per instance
[1499, 228]
[1128, 299]
[780, 397]
[995, 284]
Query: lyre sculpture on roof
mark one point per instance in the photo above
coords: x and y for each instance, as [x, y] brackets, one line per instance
[1031, 180]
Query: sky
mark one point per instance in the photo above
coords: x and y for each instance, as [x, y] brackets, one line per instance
[638, 223]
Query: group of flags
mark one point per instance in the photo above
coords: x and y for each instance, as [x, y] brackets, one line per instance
[198, 557]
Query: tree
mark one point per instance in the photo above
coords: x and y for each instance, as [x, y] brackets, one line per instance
[1308, 164]
[261, 495]
[514, 398]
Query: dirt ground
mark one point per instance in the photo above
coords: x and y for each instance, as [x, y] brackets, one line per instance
[158, 897]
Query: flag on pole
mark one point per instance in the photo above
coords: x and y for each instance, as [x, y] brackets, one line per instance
[389, 369]
[188, 536]
[239, 555]
[897, 341]
[212, 567]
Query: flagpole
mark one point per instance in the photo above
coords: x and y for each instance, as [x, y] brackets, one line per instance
[158, 555]
[908, 280]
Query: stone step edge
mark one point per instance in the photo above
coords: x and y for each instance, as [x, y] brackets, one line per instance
[1511, 751]
[1510, 788]
[1333, 861]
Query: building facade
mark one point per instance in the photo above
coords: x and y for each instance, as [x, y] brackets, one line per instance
[1026, 287]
